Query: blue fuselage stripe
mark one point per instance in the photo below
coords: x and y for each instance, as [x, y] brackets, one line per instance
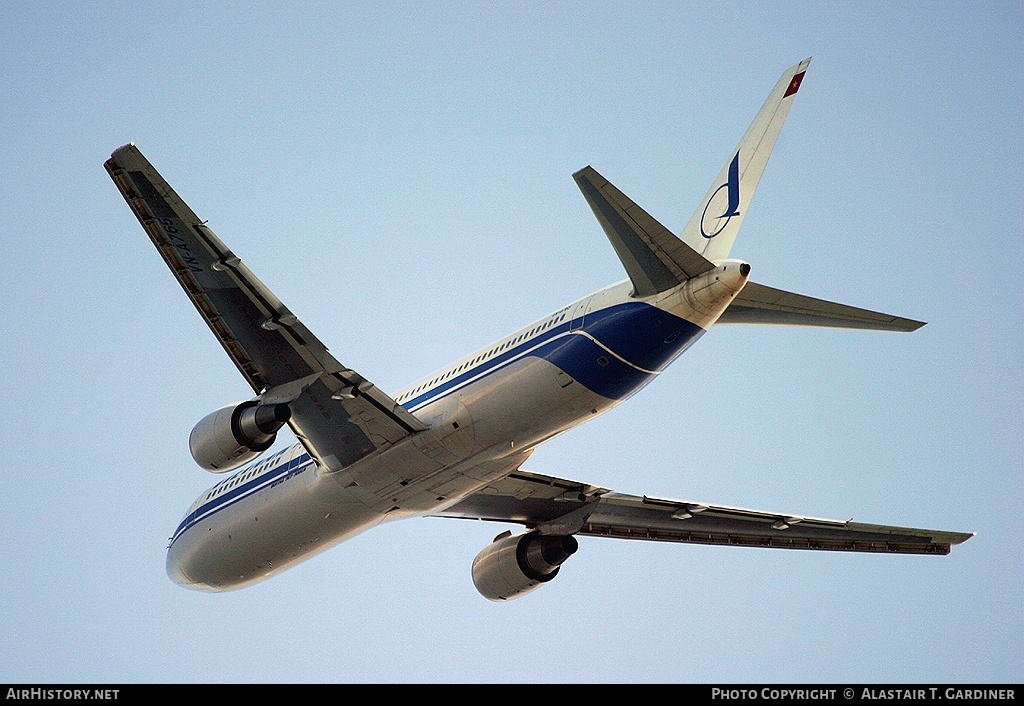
[244, 490]
[643, 338]
[614, 353]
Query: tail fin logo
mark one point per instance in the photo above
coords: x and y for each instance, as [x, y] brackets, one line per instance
[721, 207]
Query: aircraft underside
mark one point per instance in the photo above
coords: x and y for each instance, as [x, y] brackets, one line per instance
[453, 444]
[247, 535]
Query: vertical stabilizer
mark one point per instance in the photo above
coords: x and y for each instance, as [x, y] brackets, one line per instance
[713, 227]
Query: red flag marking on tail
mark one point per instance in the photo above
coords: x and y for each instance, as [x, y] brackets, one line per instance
[794, 85]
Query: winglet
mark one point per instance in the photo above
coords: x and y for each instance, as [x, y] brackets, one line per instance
[654, 258]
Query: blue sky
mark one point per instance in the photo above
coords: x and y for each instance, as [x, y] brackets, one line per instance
[399, 175]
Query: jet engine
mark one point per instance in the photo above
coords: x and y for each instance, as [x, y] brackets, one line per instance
[236, 434]
[515, 564]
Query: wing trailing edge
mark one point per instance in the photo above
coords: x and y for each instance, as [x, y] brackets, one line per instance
[559, 506]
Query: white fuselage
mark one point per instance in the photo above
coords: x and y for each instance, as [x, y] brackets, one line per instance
[486, 414]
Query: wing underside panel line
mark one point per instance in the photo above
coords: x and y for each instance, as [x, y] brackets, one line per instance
[771, 542]
[550, 505]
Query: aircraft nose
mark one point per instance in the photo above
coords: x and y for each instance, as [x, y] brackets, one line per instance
[176, 573]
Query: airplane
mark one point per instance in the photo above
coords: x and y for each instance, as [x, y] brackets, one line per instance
[454, 443]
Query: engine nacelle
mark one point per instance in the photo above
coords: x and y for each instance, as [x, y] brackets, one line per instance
[515, 564]
[236, 434]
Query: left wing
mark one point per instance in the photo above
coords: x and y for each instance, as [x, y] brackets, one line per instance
[338, 415]
[558, 506]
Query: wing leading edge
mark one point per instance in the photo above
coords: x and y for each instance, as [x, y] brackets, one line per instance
[558, 506]
[337, 414]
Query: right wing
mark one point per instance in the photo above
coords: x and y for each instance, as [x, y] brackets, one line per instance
[758, 304]
[559, 506]
[337, 414]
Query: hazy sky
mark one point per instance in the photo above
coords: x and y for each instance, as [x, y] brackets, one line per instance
[399, 175]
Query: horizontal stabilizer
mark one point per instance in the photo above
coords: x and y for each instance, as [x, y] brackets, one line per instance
[654, 258]
[758, 304]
